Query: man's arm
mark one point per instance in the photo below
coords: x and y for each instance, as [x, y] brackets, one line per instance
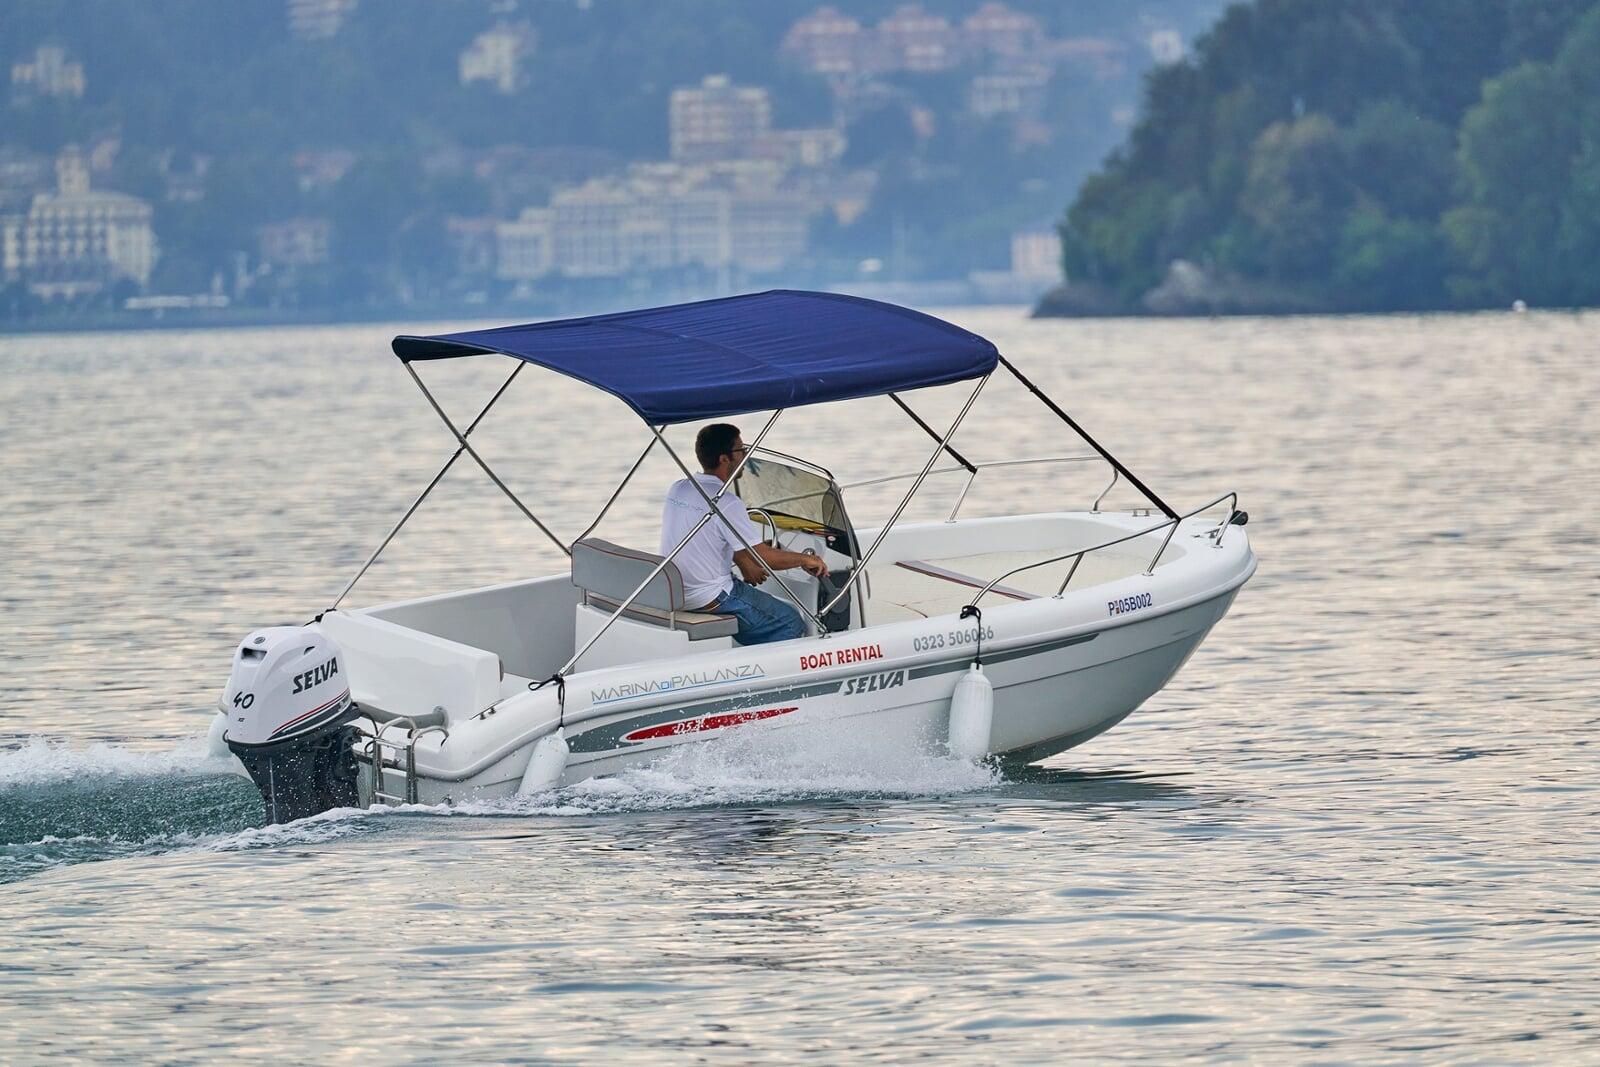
[778, 559]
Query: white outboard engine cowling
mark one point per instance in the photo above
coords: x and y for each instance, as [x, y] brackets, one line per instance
[289, 710]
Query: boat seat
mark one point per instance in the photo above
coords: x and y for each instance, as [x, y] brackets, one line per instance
[607, 573]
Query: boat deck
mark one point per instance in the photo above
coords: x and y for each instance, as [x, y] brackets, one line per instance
[922, 588]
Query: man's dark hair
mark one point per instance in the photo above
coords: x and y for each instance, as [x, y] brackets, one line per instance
[713, 442]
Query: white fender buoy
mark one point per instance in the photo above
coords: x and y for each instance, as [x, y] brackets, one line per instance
[546, 765]
[971, 715]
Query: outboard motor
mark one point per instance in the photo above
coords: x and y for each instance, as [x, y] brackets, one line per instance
[289, 712]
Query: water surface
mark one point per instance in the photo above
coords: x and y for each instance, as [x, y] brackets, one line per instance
[1360, 824]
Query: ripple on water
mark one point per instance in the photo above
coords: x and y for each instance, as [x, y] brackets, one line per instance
[1359, 826]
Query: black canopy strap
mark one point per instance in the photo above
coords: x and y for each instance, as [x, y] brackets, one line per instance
[1116, 464]
[931, 432]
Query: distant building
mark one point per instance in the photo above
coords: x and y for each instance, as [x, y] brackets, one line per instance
[767, 232]
[495, 56]
[49, 73]
[702, 227]
[313, 20]
[524, 249]
[299, 242]
[75, 241]
[718, 120]
[586, 230]
[828, 43]
[820, 147]
[657, 216]
[1019, 93]
[474, 242]
[996, 28]
[22, 173]
[911, 38]
[1036, 254]
[917, 40]
[1035, 267]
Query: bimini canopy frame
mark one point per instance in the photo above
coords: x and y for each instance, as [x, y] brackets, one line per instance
[711, 359]
[717, 358]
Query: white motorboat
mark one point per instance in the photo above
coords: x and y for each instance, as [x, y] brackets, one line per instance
[1015, 637]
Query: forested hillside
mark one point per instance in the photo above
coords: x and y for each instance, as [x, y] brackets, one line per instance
[1354, 155]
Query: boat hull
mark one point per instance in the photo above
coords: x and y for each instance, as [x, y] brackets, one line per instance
[1051, 694]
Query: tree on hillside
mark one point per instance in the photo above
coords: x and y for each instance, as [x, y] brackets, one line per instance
[1529, 228]
[1361, 154]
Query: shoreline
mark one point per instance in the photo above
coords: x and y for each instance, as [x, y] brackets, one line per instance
[122, 322]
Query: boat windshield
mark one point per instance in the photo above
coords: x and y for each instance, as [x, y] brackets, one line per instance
[797, 499]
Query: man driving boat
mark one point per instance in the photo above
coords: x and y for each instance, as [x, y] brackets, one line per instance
[707, 561]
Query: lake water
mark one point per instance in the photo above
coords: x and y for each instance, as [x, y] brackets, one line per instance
[1363, 824]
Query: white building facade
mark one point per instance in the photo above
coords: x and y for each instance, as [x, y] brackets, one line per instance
[76, 241]
[717, 120]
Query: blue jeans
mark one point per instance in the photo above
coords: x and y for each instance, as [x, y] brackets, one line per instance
[762, 616]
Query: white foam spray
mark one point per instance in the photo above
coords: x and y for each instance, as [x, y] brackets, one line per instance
[40, 761]
[766, 766]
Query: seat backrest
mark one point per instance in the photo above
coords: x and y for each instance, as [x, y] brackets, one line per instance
[614, 572]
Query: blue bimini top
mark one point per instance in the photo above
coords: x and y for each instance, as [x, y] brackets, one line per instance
[715, 358]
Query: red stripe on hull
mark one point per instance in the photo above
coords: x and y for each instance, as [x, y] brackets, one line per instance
[710, 722]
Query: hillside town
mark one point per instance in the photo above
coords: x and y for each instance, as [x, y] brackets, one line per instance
[741, 197]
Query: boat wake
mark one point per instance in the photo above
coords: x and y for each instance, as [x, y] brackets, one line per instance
[64, 804]
[761, 767]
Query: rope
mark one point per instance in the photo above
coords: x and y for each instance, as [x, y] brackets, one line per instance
[561, 696]
[970, 611]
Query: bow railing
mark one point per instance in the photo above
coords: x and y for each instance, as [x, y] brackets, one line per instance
[1170, 525]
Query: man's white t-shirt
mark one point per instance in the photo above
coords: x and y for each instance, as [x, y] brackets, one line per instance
[706, 562]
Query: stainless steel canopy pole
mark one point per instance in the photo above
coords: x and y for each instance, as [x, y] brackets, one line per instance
[437, 478]
[711, 503]
[479, 461]
[659, 567]
[933, 458]
[626, 478]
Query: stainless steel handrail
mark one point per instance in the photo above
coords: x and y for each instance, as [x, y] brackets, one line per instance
[877, 542]
[961, 497]
[981, 466]
[712, 511]
[1171, 525]
[376, 742]
[1115, 474]
[770, 522]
